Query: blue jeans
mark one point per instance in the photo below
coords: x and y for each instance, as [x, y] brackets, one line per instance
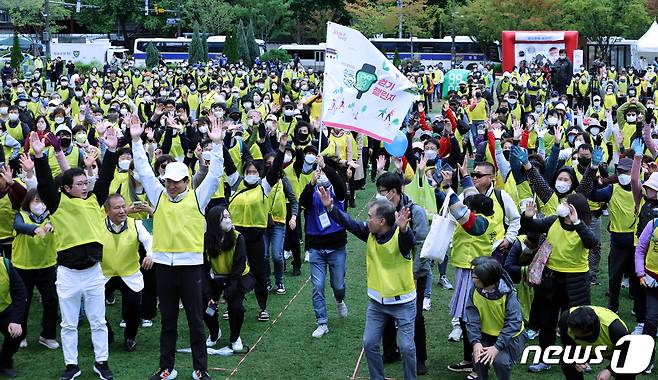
[274, 248]
[319, 260]
[376, 316]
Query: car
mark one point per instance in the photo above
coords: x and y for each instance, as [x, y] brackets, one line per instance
[7, 57]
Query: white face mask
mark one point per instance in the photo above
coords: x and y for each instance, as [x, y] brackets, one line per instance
[562, 210]
[562, 187]
[287, 158]
[552, 120]
[380, 197]
[430, 154]
[41, 126]
[323, 181]
[247, 105]
[124, 165]
[288, 112]
[4, 110]
[13, 116]
[511, 101]
[122, 93]
[219, 114]
[59, 120]
[22, 104]
[78, 93]
[206, 155]
[123, 111]
[309, 159]
[624, 179]
[226, 225]
[38, 208]
[252, 179]
[631, 119]
[203, 128]
[107, 96]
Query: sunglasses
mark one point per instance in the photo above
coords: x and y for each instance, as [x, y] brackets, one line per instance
[479, 175]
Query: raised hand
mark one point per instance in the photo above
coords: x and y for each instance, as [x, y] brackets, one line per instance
[283, 142]
[320, 161]
[597, 156]
[498, 132]
[421, 107]
[422, 164]
[447, 177]
[26, 163]
[54, 142]
[559, 132]
[398, 163]
[216, 134]
[518, 129]
[541, 131]
[110, 139]
[136, 130]
[573, 214]
[325, 197]
[90, 158]
[519, 154]
[463, 168]
[381, 162]
[402, 219]
[37, 144]
[150, 134]
[530, 209]
[638, 146]
[102, 126]
[6, 174]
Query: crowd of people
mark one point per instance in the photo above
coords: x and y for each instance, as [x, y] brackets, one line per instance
[182, 185]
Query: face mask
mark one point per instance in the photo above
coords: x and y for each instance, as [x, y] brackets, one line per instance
[584, 162]
[304, 88]
[13, 116]
[577, 144]
[256, 99]
[206, 155]
[287, 158]
[511, 101]
[651, 106]
[274, 88]
[380, 197]
[631, 119]
[22, 104]
[323, 181]
[430, 154]
[597, 103]
[59, 120]
[309, 159]
[203, 128]
[51, 109]
[124, 165]
[539, 110]
[552, 120]
[65, 141]
[624, 179]
[123, 111]
[122, 93]
[41, 126]
[140, 92]
[35, 94]
[562, 210]
[193, 88]
[218, 114]
[4, 110]
[247, 105]
[37, 208]
[288, 112]
[164, 94]
[107, 96]
[594, 131]
[562, 187]
[81, 138]
[226, 225]
[252, 179]
[503, 110]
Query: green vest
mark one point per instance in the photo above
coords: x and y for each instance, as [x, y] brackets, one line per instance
[606, 317]
[120, 251]
[621, 207]
[388, 272]
[33, 252]
[223, 264]
[178, 226]
[5, 287]
[569, 254]
[492, 314]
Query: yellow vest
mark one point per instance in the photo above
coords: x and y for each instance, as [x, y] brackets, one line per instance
[479, 113]
[6, 218]
[120, 251]
[72, 158]
[16, 132]
[593, 206]
[248, 207]
[622, 214]
[277, 203]
[223, 264]
[33, 252]
[178, 226]
[606, 317]
[569, 254]
[492, 314]
[651, 258]
[389, 273]
[5, 287]
[76, 222]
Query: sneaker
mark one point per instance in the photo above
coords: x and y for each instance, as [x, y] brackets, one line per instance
[269, 288]
[455, 335]
[594, 282]
[638, 329]
[8, 372]
[539, 367]
[225, 351]
[110, 300]
[210, 342]
[461, 367]
[200, 375]
[130, 345]
[588, 368]
[71, 372]
[147, 323]
[427, 305]
[103, 370]
[164, 374]
[237, 345]
[23, 343]
[48, 343]
[287, 255]
[341, 307]
[263, 316]
[624, 282]
[122, 324]
[296, 272]
[445, 283]
[649, 369]
[280, 289]
[307, 256]
[532, 334]
[225, 315]
[320, 331]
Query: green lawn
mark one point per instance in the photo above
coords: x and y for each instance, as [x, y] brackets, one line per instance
[286, 349]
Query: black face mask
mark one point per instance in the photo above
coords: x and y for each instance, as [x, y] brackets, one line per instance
[506, 154]
[112, 118]
[65, 141]
[503, 111]
[584, 162]
[302, 136]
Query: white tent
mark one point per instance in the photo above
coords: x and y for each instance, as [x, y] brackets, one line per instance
[648, 43]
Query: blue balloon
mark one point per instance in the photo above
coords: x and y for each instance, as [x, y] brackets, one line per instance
[398, 146]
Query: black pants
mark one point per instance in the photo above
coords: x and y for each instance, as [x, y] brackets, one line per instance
[130, 306]
[253, 238]
[621, 261]
[389, 336]
[44, 281]
[292, 239]
[5, 248]
[149, 295]
[174, 284]
[651, 320]
[10, 345]
[234, 301]
[559, 292]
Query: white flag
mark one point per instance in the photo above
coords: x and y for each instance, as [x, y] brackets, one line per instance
[362, 91]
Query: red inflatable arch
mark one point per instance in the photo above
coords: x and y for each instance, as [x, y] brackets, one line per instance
[531, 45]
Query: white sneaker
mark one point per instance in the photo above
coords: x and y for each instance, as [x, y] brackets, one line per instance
[147, 323]
[624, 282]
[427, 304]
[225, 351]
[649, 370]
[605, 212]
[23, 343]
[287, 255]
[237, 345]
[341, 308]
[225, 316]
[445, 283]
[307, 256]
[455, 335]
[320, 330]
[532, 334]
[638, 329]
[212, 343]
[122, 324]
[48, 343]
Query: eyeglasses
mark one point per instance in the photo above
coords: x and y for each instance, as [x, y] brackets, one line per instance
[479, 175]
[83, 183]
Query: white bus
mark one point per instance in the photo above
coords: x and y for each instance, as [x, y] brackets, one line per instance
[310, 56]
[175, 49]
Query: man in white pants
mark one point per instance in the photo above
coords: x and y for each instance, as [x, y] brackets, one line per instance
[77, 217]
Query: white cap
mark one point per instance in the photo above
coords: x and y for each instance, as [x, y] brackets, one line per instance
[652, 182]
[506, 74]
[62, 128]
[560, 106]
[176, 171]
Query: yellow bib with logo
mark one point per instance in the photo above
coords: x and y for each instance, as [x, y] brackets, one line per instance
[389, 273]
[178, 226]
[76, 222]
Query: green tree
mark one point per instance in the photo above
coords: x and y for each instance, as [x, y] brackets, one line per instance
[397, 61]
[310, 19]
[231, 47]
[212, 16]
[195, 50]
[152, 56]
[27, 18]
[272, 18]
[204, 39]
[382, 17]
[16, 55]
[276, 55]
[254, 50]
[243, 46]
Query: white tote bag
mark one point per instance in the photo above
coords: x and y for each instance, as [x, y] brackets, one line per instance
[438, 240]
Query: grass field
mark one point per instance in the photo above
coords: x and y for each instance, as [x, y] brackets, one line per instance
[284, 348]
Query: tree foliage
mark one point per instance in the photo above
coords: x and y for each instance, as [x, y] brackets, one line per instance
[231, 47]
[27, 18]
[204, 39]
[212, 16]
[276, 55]
[372, 17]
[16, 55]
[272, 18]
[254, 50]
[152, 56]
[243, 46]
[397, 61]
[195, 50]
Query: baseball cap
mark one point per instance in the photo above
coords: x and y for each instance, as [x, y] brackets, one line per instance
[176, 171]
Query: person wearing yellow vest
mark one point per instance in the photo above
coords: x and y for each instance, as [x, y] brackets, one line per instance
[389, 270]
[121, 239]
[12, 313]
[74, 156]
[227, 276]
[34, 258]
[178, 224]
[623, 220]
[592, 326]
[8, 144]
[12, 194]
[494, 319]
[78, 221]
[565, 279]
